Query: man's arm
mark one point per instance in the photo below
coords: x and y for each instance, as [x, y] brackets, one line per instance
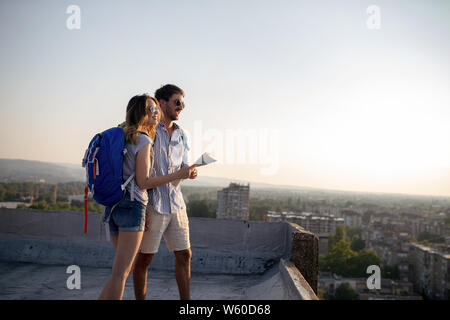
[144, 180]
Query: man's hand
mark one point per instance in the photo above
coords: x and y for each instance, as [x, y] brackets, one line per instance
[188, 172]
[193, 172]
[184, 173]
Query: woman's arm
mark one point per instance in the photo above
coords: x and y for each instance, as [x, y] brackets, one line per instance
[143, 178]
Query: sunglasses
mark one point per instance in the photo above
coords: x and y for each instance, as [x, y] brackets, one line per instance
[179, 103]
[153, 109]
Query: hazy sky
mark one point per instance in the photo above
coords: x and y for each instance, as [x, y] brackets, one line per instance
[316, 97]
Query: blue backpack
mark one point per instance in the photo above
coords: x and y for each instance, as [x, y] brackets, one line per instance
[103, 161]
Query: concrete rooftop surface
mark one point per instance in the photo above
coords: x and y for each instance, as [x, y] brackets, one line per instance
[24, 281]
[231, 260]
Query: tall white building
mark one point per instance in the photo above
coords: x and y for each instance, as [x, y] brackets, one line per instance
[233, 202]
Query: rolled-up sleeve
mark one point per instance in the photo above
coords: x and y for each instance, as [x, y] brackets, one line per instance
[185, 161]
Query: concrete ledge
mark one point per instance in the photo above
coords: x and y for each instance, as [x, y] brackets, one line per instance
[51, 224]
[218, 246]
[56, 251]
[297, 287]
[100, 254]
[207, 233]
[305, 253]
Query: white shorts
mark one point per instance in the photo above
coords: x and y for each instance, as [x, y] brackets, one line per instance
[174, 227]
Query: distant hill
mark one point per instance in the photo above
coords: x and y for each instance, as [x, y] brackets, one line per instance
[203, 181]
[17, 170]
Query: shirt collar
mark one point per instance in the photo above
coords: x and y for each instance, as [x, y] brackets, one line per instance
[161, 124]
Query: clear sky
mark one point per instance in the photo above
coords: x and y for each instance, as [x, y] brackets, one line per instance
[316, 97]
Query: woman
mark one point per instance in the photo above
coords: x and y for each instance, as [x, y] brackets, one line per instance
[127, 219]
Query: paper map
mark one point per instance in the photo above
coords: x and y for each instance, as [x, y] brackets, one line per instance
[204, 159]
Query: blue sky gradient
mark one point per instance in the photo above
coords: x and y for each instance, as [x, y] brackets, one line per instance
[347, 107]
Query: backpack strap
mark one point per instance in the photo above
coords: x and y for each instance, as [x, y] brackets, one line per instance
[184, 138]
[124, 185]
[154, 139]
[152, 160]
[86, 190]
[130, 178]
[152, 154]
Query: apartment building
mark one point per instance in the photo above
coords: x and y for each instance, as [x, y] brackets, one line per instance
[430, 271]
[314, 223]
[233, 202]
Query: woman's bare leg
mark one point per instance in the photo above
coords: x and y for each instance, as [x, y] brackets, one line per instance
[114, 238]
[128, 243]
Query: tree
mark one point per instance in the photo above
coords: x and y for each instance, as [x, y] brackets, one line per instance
[430, 237]
[257, 211]
[41, 205]
[61, 205]
[390, 272]
[93, 206]
[353, 231]
[341, 233]
[336, 259]
[342, 260]
[338, 236]
[345, 292]
[199, 208]
[357, 243]
[357, 264]
[289, 202]
[321, 294]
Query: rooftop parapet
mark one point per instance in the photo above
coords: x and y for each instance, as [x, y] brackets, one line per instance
[218, 246]
[305, 253]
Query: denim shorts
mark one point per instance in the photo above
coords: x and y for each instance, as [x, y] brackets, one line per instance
[127, 216]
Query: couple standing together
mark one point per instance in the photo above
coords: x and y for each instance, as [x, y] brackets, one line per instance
[153, 205]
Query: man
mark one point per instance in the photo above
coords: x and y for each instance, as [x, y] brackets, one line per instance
[166, 210]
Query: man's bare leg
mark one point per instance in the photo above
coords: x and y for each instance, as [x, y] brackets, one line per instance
[140, 271]
[183, 272]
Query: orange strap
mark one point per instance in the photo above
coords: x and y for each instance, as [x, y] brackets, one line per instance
[86, 190]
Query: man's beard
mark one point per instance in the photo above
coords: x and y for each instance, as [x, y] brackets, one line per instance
[173, 117]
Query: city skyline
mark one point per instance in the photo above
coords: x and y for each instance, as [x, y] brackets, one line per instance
[321, 99]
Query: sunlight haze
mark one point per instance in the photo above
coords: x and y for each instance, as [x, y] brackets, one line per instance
[328, 102]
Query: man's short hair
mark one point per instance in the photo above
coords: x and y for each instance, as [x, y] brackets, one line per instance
[165, 92]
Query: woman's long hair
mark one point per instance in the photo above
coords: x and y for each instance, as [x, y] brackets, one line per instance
[137, 113]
